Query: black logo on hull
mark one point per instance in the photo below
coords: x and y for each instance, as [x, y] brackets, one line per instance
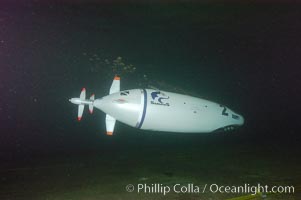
[158, 98]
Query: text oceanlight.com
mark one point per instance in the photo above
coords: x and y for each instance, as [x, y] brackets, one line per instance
[157, 188]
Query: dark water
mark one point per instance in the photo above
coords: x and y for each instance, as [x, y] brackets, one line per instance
[246, 56]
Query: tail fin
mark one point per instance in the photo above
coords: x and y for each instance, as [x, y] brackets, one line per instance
[110, 124]
[81, 107]
[80, 112]
[110, 121]
[83, 94]
[115, 87]
[91, 105]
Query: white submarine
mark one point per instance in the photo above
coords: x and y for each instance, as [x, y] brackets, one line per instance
[156, 110]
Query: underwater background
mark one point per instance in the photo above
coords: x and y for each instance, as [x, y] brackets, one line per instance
[243, 55]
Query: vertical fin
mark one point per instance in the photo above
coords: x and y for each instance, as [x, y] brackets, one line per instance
[115, 87]
[80, 112]
[91, 105]
[83, 94]
[110, 124]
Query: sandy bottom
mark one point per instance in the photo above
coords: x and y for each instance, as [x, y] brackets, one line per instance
[104, 175]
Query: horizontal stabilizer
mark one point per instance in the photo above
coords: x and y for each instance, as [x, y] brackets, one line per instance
[115, 87]
[110, 124]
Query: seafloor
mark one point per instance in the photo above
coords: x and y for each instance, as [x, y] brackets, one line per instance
[171, 159]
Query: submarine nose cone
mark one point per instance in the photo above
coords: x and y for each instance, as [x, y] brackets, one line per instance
[237, 119]
[241, 120]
